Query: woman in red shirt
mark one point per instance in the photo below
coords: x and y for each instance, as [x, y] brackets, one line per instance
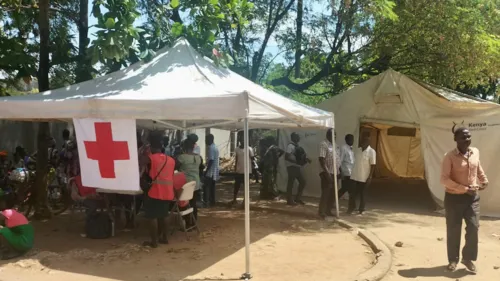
[159, 191]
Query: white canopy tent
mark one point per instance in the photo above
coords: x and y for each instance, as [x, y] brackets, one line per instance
[178, 85]
[180, 89]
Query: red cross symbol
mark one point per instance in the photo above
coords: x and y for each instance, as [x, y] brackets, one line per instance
[105, 151]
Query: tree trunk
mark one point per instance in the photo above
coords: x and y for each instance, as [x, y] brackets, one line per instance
[83, 70]
[298, 39]
[42, 209]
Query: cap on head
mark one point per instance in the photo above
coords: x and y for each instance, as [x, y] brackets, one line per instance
[193, 138]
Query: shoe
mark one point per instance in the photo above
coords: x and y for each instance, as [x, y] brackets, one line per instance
[300, 202]
[470, 266]
[349, 212]
[451, 267]
[291, 203]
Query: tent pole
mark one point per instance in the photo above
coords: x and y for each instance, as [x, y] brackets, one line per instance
[246, 166]
[335, 169]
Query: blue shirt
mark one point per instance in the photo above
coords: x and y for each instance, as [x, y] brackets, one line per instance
[213, 154]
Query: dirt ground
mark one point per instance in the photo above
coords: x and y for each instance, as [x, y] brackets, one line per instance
[404, 212]
[283, 248]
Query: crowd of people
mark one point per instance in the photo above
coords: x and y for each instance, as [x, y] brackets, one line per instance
[354, 169]
[165, 169]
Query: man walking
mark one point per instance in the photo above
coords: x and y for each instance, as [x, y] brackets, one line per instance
[295, 158]
[326, 175]
[365, 159]
[346, 164]
[212, 171]
[462, 177]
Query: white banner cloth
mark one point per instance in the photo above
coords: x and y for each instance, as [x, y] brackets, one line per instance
[107, 149]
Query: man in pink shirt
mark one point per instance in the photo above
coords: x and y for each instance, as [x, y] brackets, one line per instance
[462, 177]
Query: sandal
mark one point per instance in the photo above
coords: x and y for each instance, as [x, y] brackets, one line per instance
[470, 266]
[451, 267]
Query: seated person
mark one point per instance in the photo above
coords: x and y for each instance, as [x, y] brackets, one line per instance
[179, 182]
[86, 195]
[16, 237]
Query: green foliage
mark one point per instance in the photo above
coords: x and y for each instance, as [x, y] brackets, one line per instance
[115, 30]
[19, 45]
[444, 42]
[205, 20]
[453, 43]
[18, 52]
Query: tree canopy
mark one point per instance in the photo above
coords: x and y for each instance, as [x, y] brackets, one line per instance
[306, 49]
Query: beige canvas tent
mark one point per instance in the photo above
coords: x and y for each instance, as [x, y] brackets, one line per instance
[410, 123]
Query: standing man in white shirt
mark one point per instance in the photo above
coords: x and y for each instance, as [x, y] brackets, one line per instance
[326, 175]
[295, 158]
[365, 159]
[346, 165]
[211, 172]
[239, 164]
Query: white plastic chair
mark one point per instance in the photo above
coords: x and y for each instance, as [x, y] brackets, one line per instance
[186, 195]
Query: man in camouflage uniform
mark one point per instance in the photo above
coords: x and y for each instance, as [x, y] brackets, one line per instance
[269, 165]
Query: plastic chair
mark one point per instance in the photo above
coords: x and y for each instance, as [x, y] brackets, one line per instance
[185, 195]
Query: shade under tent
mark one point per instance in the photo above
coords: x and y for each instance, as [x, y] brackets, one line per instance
[177, 89]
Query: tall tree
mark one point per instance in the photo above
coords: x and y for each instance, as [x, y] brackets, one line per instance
[277, 10]
[41, 208]
[84, 66]
[444, 42]
[298, 37]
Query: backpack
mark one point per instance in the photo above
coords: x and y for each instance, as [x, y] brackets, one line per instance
[300, 155]
[99, 226]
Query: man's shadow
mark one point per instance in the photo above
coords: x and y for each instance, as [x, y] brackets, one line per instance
[432, 272]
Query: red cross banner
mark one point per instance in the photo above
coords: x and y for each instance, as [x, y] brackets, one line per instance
[108, 153]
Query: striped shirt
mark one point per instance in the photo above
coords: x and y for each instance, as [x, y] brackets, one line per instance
[326, 151]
